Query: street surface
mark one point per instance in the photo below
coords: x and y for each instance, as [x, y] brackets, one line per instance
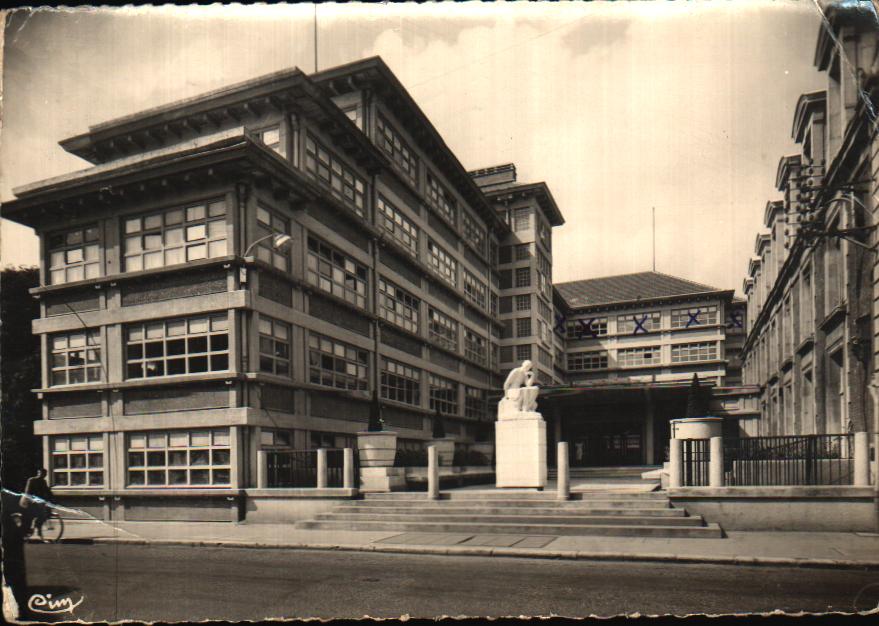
[169, 583]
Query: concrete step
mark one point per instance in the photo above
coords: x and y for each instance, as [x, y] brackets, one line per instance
[608, 530]
[588, 520]
[482, 495]
[607, 502]
[453, 508]
[607, 472]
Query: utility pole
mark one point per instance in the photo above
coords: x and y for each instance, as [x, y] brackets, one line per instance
[315, 37]
[654, 238]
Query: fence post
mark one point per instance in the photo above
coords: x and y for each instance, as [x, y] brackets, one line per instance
[675, 462]
[262, 469]
[563, 475]
[715, 463]
[432, 474]
[348, 468]
[321, 468]
[862, 460]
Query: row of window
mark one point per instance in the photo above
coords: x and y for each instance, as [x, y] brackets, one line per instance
[638, 323]
[638, 357]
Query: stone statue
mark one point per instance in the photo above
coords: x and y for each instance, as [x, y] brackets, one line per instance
[520, 392]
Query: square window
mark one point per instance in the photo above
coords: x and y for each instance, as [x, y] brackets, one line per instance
[196, 232]
[194, 213]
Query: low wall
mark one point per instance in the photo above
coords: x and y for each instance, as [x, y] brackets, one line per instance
[832, 471]
[179, 505]
[830, 509]
[279, 506]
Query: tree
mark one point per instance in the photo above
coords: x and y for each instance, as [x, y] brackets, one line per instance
[697, 399]
[19, 373]
[439, 429]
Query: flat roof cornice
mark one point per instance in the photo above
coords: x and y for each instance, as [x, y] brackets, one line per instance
[539, 190]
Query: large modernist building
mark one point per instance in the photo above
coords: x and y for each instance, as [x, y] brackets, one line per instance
[812, 285]
[240, 270]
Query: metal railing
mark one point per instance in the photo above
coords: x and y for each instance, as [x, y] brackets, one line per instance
[789, 460]
[298, 468]
[696, 458]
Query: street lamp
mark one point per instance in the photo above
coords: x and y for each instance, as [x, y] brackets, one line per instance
[279, 240]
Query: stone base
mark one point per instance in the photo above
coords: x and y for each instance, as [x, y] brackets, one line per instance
[520, 451]
[382, 479]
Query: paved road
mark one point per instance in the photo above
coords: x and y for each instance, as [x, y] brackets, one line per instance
[169, 583]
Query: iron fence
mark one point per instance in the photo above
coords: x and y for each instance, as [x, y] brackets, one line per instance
[696, 459]
[298, 468]
[789, 460]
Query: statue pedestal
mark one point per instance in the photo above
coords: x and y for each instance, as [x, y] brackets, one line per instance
[520, 444]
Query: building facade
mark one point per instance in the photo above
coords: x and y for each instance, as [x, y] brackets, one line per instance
[812, 283]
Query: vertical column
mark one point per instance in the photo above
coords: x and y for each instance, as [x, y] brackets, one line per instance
[675, 464]
[236, 454]
[432, 474]
[862, 460]
[262, 469]
[648, 431]
[564, 482]
[715, 463]
[348, 469]
[322, 468]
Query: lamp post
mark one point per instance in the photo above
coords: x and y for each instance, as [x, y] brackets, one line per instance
[279, 240]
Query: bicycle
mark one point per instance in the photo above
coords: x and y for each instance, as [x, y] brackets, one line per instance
[50, 530]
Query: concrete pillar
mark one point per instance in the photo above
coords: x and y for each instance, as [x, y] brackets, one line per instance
[262, 469]
[675, 462]
[564, 477]
[715, 464]
[348, 469]
[862, 460]
[321, 468]
[432, 474]
[648, 431]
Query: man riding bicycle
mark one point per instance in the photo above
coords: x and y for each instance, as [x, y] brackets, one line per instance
[36, 502]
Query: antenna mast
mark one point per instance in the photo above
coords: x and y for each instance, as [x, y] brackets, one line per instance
[654, 238]
[315, 37]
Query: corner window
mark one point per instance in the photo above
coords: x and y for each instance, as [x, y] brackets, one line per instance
[76, 358]
[74, 255]
[77, 461]
[179, 458]
[191, 345]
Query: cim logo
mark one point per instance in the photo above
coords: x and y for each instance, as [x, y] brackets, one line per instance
[40, 603]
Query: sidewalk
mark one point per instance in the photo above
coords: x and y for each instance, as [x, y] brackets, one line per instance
[807, 549]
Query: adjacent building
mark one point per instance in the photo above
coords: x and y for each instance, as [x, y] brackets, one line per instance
[812, 284]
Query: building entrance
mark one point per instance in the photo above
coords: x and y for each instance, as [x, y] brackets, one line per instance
[605, 443]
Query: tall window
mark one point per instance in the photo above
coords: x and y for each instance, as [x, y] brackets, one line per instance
[635, 357]
[638, 323]
[389, 140]
[474, 403]
[77, 460]
[474, 347]
[543, 235]
[694, 316]
[74, 255]
[274, 346]
[400, 382]
[521, 219]
[270, 223]
[442, 263]
[523, 251]
[523, 277]
[442, 329]
[523, 327]
[76, 358]
[443, 394]
[335, 273]
[834, 292]
[807, 318]
[179, 458]
[179, 346]
[474, 289]
[175, 236]
[401, 228]
[440, 199]
[506, 354]
[523, 352]
[340, 178]
[336, 364]
[689, 352]
[397, 305]
[474, 233]
[586, 361]
[523, 302]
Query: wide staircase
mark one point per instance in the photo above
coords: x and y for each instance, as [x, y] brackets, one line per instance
[602, 512]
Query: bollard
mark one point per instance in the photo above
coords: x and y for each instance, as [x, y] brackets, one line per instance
[432, 474]
[348, 469]
[862, 460]
[675, 463]
[262, 469]
[715, 463]
[564, 476]
[322, 468]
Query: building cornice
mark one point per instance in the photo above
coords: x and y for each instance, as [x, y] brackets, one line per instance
[786, 165]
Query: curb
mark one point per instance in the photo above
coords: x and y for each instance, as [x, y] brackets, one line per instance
[505, 552]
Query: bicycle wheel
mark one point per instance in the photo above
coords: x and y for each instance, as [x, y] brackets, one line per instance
[52, 529]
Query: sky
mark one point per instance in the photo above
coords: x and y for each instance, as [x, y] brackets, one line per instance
[618, 107]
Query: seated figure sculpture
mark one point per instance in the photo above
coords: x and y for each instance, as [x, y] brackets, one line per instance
[520, 392]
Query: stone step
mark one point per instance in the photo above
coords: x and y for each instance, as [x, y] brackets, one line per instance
[430, 507]
[588, 520]
[613, 503]
[481, 495]
[608, 530]
[607, 472]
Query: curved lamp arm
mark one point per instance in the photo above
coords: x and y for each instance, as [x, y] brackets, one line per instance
[280, 240]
